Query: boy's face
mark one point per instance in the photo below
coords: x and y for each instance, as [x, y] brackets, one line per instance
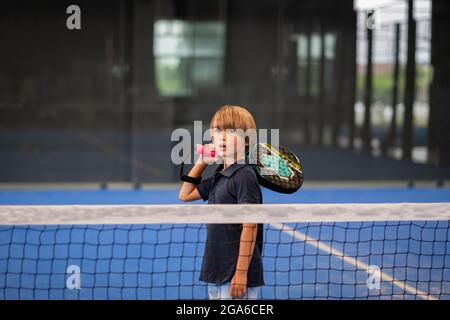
[229, 143]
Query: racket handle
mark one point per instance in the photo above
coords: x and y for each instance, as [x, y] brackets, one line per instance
[201, 150]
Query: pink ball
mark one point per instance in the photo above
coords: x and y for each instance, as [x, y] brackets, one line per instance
[201, 150]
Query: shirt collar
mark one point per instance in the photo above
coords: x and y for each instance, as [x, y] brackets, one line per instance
[228, 172]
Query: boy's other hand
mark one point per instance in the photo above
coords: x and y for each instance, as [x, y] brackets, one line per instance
[238, 286]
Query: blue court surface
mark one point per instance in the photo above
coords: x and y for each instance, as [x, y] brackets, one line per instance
[170, 196]
[301, 261]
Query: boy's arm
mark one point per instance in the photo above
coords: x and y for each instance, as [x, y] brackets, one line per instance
[188, 191]
[247, 245]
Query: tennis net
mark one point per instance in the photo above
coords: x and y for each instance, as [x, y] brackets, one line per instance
[310, 251]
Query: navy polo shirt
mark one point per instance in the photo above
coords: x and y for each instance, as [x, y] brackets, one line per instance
[236, 184]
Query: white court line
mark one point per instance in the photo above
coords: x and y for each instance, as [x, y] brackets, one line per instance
[352, 261]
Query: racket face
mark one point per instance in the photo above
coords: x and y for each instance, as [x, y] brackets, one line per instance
[279, 169]
[276, 164]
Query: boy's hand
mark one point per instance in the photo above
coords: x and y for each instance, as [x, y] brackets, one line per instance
[205, 159]
[238, 286]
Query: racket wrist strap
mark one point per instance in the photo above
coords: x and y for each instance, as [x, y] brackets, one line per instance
[189, 179]
[186, 178]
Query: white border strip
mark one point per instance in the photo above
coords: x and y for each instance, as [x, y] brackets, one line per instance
[221, 213]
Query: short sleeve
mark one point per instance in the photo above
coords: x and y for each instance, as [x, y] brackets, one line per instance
[247, 187]
[203, 188]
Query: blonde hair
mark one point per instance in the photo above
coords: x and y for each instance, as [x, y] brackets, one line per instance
[233, 117]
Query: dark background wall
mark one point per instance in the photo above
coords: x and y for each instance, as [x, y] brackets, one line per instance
[85, 105]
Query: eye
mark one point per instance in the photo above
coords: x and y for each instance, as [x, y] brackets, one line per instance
[216, 131]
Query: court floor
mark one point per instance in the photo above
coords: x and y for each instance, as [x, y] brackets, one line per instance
[301, 261]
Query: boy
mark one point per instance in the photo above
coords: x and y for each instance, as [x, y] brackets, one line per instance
[232, 264]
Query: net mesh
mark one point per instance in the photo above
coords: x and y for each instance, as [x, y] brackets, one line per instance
[306, 255]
